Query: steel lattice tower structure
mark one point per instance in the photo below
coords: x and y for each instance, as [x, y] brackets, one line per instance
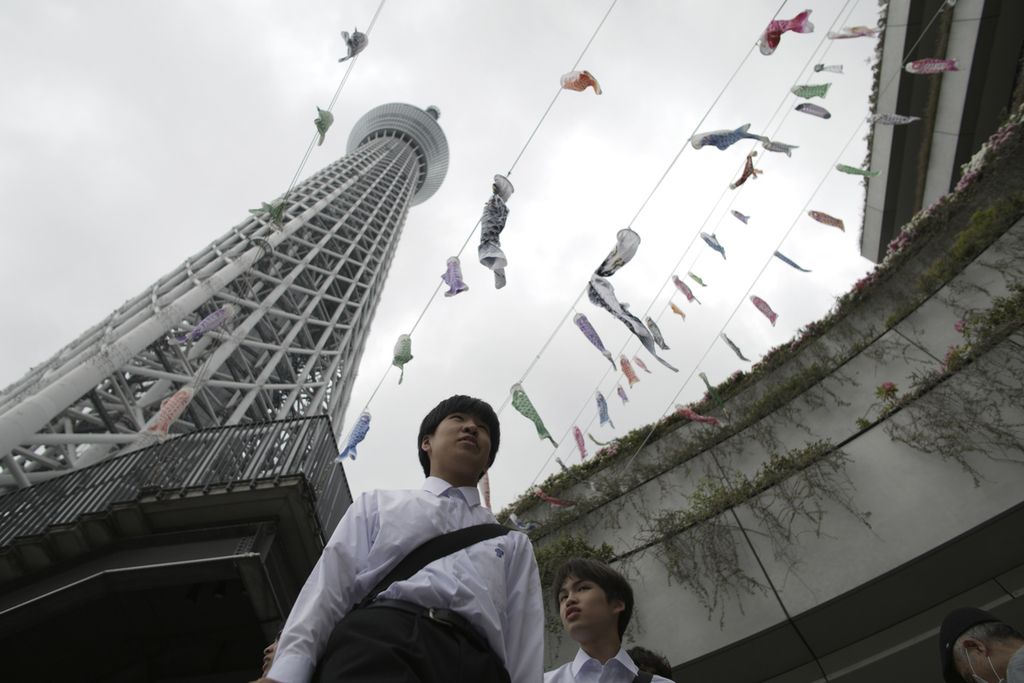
[305, 291]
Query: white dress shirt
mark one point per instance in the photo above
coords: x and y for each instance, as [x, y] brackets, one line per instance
[494, 584]
[586, 669]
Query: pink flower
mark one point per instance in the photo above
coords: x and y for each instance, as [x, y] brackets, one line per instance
[960, 325]
[886, 391]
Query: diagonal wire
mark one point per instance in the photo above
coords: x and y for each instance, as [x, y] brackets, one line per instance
[519, 156]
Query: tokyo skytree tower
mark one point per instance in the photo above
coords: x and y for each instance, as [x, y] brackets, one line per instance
[266, 323]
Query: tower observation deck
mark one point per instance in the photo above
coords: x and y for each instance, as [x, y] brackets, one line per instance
[296, 300]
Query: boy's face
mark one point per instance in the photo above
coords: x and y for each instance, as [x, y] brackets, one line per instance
[459, 449]
[585, 610]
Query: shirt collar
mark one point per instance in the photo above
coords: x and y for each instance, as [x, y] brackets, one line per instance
[582, 658]
[438, 487]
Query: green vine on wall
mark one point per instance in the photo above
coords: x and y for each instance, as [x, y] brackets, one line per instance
[699, 546]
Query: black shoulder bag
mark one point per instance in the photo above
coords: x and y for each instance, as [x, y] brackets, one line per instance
[434, 549]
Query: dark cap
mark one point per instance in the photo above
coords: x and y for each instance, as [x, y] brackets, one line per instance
[953, 626]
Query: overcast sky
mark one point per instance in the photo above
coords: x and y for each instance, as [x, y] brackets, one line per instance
[136, 132]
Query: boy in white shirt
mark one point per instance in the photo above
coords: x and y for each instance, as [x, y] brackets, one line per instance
[472, 616]
[595, 603]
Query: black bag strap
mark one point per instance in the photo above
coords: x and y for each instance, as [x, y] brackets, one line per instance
[434, 549]
[643, 677]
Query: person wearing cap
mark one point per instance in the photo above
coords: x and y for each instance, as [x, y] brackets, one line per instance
[976, 647]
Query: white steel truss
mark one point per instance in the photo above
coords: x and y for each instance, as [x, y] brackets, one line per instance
[305, 293]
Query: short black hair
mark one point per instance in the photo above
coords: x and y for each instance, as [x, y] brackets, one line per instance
[613, 584]
[650, 661]
[458, 404]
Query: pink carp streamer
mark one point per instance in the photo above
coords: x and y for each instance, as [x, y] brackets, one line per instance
[622, 394]
[551, 500]
[826, 219]
[640, 364]
[773, 33]
[485, 489]
[763, 306]
[691, 415]
[627, 370]
[580, 81]
[685, 289]
[852, 32]
[931, 66]
[577, 435]
[171, 409]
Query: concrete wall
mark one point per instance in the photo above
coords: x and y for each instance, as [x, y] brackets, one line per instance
[916, 500]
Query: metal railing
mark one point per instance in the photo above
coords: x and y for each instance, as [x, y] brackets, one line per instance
[223, 457]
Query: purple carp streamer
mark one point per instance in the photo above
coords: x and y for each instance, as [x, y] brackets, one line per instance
[684, 288]
[489, 252]
[723, 139]
[577, 435]
[893, 119]
[403, 354]
[931, 65]
[826, 219]
[628, 371]
[521, 402]
[622, 394]
[602, 294]
[732, 345]
[590, 333]
[580, 81]
[359, 433]
[356, 42]
[713, 242]
[763, 306]
[656, 333]
[814, 110]
[740, 217]
[452, 277]
[221, 316]
[602, 412]
[748, 171]
[773, 33]
[790, 262]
